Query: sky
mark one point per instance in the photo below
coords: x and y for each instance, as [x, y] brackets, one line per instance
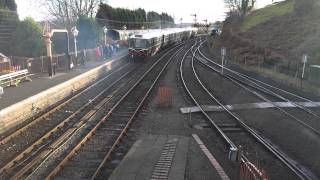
[212, 10]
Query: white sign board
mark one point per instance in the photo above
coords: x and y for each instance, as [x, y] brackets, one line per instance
[223, 51]
[304, 61]
[1, 91]
[223, 56]
[304, 58]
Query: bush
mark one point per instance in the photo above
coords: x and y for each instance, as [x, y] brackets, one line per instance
[28, 39]
[8, 4]
[304, 6]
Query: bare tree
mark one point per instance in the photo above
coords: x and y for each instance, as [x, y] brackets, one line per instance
[243, 7]
[68, 11]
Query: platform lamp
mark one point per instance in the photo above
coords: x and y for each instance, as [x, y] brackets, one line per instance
[125, 31]
[105, 31]
[125, 28]
[75, 33]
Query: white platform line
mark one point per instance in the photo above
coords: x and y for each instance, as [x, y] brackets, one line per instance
[211, 158]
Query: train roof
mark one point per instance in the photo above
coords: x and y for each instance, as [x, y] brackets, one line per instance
[124, 34]
[149, 34]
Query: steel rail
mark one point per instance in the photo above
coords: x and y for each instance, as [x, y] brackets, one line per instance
[236, 81]
[53, 110]
[299, 170]
[221, 133]
[59, 143]
[261, 82]
[37, 146]
[227, 140]
[97, 172]
[73, 152]
[265, 90]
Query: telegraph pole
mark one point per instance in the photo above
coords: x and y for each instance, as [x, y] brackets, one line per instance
[206, 21]
[206, 24]
[195, 18]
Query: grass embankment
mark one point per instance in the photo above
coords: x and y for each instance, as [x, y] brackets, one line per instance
[265, 14]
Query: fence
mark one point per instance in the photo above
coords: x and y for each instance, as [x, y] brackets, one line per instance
[251, 54]
[249, 171]
[281, 68]
[40, 64]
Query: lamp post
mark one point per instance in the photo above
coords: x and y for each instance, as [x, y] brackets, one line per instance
[125, 32]
[75, 35]
[105, 30]
[195, 18]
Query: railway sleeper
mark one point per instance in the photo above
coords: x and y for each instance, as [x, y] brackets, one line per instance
[230, 128]
[95, 149]
[75, 173]
[86, 159]
[114, 124]
[102, 135]
[122, 113]
[111, 129]
[84, 165]
[115, 119]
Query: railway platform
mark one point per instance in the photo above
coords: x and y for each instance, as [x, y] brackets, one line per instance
[19, 104]
[156, 157]
[42, 82]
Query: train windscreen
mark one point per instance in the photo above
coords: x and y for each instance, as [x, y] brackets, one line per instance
[139, 43]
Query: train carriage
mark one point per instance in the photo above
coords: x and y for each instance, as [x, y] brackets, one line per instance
[121, 36]
[146, 44]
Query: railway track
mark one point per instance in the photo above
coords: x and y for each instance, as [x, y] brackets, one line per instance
[306, 117]
[87, 159]
[221, 121]
[297, 129]
[105, 93]
[36, 137]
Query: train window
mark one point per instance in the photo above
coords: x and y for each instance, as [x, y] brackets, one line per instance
[131, 42]
[140, 43]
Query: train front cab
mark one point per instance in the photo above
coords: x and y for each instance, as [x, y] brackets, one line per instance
[138, 48]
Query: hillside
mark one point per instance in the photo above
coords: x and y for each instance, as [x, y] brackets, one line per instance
[276, 36]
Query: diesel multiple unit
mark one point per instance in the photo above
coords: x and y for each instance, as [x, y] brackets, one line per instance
[148, 43]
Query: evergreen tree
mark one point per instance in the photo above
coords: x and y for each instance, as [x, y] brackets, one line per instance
[88, 32]
[133, 19]
[8, 4]
[28, 39]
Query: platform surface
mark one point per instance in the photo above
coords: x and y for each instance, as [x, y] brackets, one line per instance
[154, 157]
[41, 82]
